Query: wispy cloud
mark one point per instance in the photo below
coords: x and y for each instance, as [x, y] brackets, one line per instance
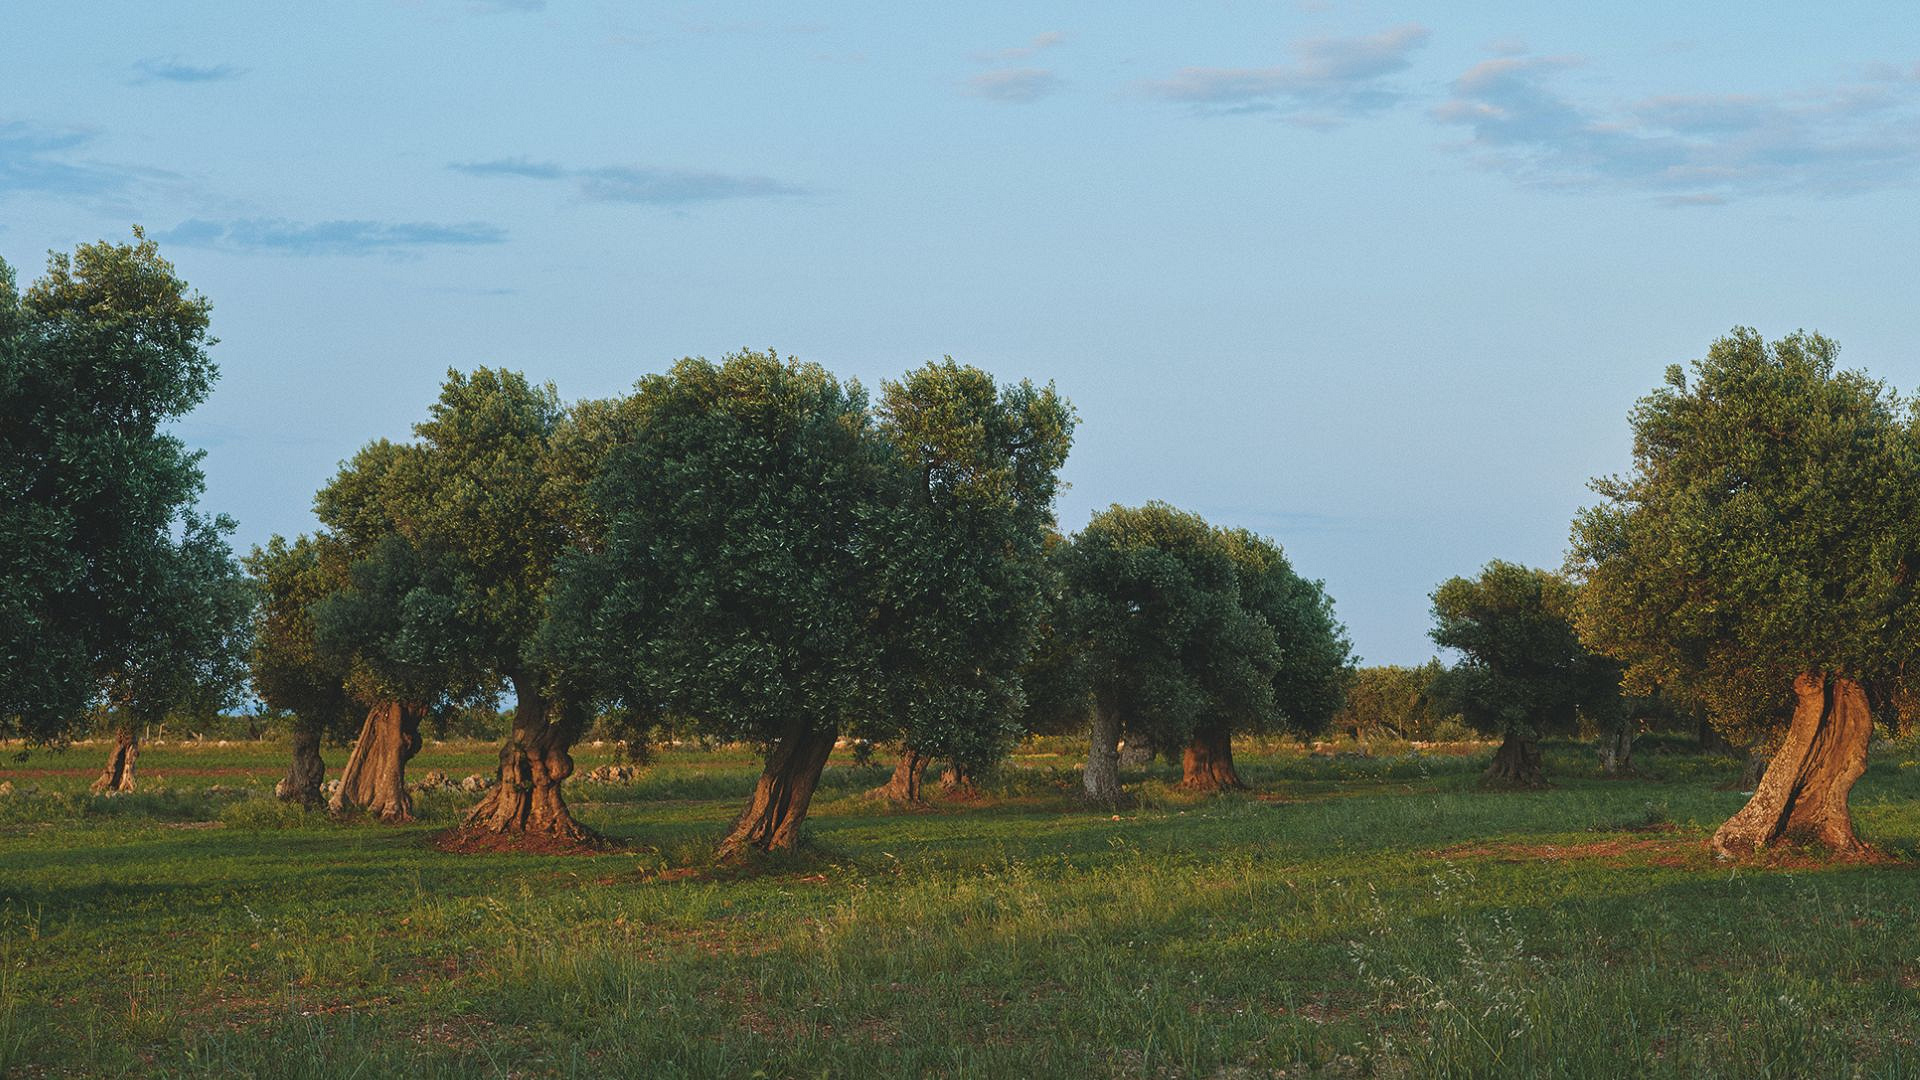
[278, 236]
[169, 69]
[1018, 86]
[1331, 80]
[640, 184]
[52, 163]
[1039, 43]
[1696, 149]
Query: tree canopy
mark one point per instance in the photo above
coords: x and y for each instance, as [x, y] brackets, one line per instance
[1769, 527]
[1760, 559]
[1177, 634]
[112, 586]
[779, 562]
[1523, 672]
[973, 470]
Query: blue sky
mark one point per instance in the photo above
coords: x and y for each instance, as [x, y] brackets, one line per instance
[1381, 281]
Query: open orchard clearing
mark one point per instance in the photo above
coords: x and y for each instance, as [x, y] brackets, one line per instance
[1349, 916]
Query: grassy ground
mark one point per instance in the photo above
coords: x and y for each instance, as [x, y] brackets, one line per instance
[1370, 916]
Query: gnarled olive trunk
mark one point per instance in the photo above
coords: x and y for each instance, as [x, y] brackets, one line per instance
[305, 772]
[792, 771]
[1753, 767]
[908, 772]
[534, 763]
[1515, 764]
[118, 775]
[1803, 796]
[1102, 778]
[1616, 750]
[956, 782]
[375, 776]
[1207, 764]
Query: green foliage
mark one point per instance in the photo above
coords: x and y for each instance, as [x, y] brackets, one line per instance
[1769, 527]
[764, 550]
[1152, 617]
[454, 538]
[735, 584]
[1523, 672]
[960, 537]
[397, 627]
[1389, 699]
[288, 669]
[1174, 623]
[1315, 657]
[111, 585]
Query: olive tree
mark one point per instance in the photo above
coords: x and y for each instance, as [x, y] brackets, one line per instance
[1310, 672]
[734, 586]
[1523, 673]
[461, 530]
[1760, 559]
[1392, 699]
[287, 668]
[972, 471]
[772, 560]
[1151, 614]
[113, 589]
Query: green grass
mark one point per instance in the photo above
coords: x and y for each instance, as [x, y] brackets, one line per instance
[1363, 916]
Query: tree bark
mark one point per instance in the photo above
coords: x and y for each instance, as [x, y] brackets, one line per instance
[1102, 778]
[956, 782]
[1752, 768]
[1207, 764]
[1616, 749]
[908, 772]
[792, 771]
[1516, 764]
[375, 776]
[305, 773]
[1803, 796]
[118, 775]
[535, 761]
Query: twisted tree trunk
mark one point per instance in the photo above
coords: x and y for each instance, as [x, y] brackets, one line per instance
[375, 776]
[1802, 798]
[534, 762]
[956, 782]
[792, 771]
[1616, 749]
[1102, 778]
[1515, 764]
[908, 773]
[118, 775]
[306, 771]
[1207, 764]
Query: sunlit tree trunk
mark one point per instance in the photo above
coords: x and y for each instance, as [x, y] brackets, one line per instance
[1802, 798]
[1516, 764]
[792, 771]
[956, 782]
[1207, 764]
[908, 774]
[118, 775]
[1102, 778]
[535, 761]
[375, 776]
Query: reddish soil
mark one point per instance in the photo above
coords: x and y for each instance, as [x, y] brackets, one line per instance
[483, 842]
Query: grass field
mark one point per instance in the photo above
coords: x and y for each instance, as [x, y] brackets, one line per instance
[1353, 916]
